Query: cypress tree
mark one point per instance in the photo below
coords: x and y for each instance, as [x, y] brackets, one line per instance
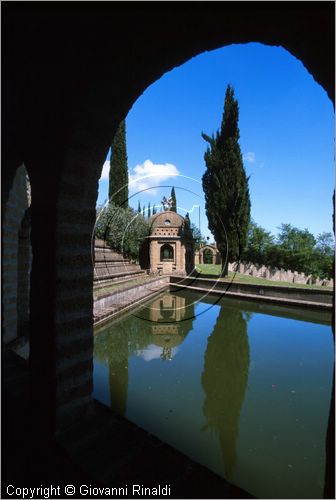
[143, 210]
[149, 210]
[154, 210]
[139, 207]
[225, 185]
[118, 179]
[173, 197]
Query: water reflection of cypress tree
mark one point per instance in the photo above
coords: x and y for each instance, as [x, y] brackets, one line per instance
[112, 347]
[224, 380]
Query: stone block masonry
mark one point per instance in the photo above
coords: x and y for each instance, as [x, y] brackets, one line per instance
[112, 303]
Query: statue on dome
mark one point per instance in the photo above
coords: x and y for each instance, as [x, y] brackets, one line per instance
[167, 204]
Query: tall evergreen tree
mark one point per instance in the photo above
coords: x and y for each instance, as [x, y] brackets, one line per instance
[154, 210]
[173, 197]
[118, 179]
[149, 210]
[144, 211]
[225, 185]
[139, 207]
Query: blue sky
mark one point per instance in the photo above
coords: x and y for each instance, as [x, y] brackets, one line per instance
[286, 136]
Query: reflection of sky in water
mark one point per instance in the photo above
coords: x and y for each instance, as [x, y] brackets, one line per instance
[153, 351]
[246, 391]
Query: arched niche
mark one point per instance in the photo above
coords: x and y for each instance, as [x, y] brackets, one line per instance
[166, 252]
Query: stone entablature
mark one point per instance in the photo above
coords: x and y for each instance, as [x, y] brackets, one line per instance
[170, 244]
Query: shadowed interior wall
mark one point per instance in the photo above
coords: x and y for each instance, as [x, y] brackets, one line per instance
[23, 276]
[15, 256]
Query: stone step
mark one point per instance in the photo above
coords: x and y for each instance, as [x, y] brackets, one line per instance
[117, 277]
[107, 271]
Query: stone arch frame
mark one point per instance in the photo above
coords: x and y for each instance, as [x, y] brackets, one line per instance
[214, 251]
[74, 143]
[165, 250]
[208, 254]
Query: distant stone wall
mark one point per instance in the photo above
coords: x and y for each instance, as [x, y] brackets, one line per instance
[276, 274]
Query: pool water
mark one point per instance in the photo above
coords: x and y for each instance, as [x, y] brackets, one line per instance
[240, 387]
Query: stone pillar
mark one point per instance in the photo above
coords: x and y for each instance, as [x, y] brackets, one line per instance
[23, 282]
[151, 256]
[196, 258]
[61, 307]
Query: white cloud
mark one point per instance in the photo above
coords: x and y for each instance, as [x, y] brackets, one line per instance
[150, 174]
[153, 351]
[105, 171]
[250, 157]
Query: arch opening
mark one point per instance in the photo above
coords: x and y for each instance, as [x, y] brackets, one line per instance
[166, 253]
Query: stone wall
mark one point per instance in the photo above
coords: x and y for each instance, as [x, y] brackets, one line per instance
[306, 297]
[16, 257]
[276, 274]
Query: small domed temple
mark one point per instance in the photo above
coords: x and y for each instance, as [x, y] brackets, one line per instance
[169, 249]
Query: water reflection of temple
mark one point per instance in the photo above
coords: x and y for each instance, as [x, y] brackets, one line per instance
[162, 325]
[224, 380]
[167, 314]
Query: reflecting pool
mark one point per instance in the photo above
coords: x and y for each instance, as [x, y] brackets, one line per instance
[241, 387]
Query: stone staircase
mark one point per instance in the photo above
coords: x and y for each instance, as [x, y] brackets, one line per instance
[112, 267]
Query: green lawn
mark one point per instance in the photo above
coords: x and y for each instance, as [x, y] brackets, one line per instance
[213, 271]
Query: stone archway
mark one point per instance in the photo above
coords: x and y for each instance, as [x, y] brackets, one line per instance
[209, 254]
[65, 124]
[166, 252]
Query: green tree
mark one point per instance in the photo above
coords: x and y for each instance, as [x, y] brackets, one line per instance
[139, 207]
[124, 229]
[259, 242]
[225, 185]
[197, 236]
[173, 198]
[325, 244]
[118, 178]
[324, 255]
[149, 210]
[154, 210]
[144, 211]
[296, 249]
